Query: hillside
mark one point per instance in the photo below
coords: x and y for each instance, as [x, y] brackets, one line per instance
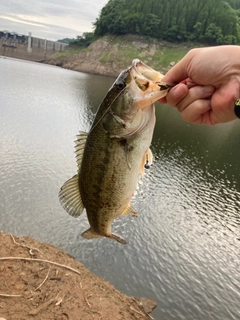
[207, 21]
[109, 55]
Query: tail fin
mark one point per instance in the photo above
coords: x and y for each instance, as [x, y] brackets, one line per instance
[89, 234]
[118, 238]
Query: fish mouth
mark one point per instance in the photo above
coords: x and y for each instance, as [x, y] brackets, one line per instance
[145, 71]
[146, 83]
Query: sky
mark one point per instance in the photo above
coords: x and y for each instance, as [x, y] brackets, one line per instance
[49, 19]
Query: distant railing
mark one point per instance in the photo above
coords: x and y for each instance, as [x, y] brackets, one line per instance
[28, 47]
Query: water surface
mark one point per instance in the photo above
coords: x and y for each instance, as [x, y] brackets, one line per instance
[183, 250]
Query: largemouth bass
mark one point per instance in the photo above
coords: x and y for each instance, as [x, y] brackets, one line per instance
[115, 152]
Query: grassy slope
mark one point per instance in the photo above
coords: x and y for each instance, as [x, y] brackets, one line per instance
[121, 50]
[157, 53]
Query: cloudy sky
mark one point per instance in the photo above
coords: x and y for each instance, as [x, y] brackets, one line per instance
[50, 19]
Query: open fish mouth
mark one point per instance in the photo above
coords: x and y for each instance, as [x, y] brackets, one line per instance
[145, 83]
[143, 72]
[141, 69]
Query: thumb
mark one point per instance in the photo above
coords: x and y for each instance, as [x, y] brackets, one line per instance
[223, 104]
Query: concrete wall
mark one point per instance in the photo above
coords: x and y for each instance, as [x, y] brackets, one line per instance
[28, 47]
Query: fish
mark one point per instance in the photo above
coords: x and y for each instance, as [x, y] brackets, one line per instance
[115, 152]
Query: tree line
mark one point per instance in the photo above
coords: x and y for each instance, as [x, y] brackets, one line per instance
[210, 21]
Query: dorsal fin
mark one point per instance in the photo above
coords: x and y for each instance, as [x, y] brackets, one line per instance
[79, 147]
[70, 197]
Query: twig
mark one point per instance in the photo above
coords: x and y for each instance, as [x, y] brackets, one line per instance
[45, 305]
[137, 311]
[24, 246]
[142, 309]
[41, 260]
[87, 302]
[119, 295]
[60, 300]
[10, 295]
[84, 296]
[43, 280]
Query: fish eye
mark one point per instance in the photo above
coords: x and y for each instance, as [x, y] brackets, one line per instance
[120, 85]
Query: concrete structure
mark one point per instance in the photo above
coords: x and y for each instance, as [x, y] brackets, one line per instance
[28, 47]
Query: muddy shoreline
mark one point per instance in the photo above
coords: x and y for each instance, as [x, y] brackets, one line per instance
[40, 281]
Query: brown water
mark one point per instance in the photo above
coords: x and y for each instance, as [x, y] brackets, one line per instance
[183, 250]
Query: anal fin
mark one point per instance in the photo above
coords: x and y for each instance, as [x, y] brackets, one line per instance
[89, 234]
[129, 211]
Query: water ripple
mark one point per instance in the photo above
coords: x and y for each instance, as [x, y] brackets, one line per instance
[183, 250]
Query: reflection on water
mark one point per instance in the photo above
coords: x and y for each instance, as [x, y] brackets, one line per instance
[183, 250]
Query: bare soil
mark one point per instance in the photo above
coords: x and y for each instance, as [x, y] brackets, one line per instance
[39, 281]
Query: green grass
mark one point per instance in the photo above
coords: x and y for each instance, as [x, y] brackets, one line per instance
[71, 52]
[121, 51]
[126, 52]
[168, 55]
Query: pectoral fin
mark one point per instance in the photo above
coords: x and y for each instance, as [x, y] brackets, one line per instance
[70, 197]
[146, 161]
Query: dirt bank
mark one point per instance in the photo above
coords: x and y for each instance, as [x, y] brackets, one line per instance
[39, 281]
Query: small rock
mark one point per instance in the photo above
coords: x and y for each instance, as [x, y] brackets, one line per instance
[140, 45]
[172, 63]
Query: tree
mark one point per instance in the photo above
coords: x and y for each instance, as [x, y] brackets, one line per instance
[197, 32]
[110, 16]
[213, 34]
[211, 21]
[83, 41]
[134, 22]
[152, 25]
[230, 39]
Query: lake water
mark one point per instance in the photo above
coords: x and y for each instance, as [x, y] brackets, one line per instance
[183, 250]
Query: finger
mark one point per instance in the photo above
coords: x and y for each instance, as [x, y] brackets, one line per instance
[223, 103]
[198, 112]
[176, 94]
[195, 93]
[163, 100]
[190, 83]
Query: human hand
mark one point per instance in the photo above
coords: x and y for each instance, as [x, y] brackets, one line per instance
[209, 84]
